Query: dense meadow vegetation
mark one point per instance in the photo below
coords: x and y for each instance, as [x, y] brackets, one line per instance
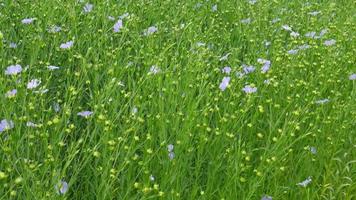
[175, 99]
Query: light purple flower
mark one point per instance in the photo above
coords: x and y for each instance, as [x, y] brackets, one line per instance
[41, 91]
[154, 69]
[226, 70]
[225, 57]
[275, 20]
[85, 113]
[266, 64]
[310, 34]
[224, 83]
[330, 42]
[170, 147]
[214, 8]
[266, 197]
[11, 93]
[152, 178]
[314, 13]
[150, 30]
[267, 81]
[52, 67]
[304, 47]
[88, 8]
[323, 32]
[352, 77]
[34, 83]
[13, 69]
[61, 187]
[56, 107]
[66, 45]
[252, 2]
[246, 21]
[54, 29]
[31, 124]
[292, 51]
[322, 101]
[6, 125]
[118, 26]
[313, 150]
[305, 182]
[134, 110]
[13, 45]
[171, 155]
[28, 20]
[294, 34]
[248, 69]
[123, 16]
[286, 27]
[249, 89]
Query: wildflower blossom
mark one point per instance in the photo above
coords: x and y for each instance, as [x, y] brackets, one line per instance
[13, 70]
[287, 27]
[225, 57]
[154, 69]
[246, 21]
[56, 107]
[248, 69]
[322, 101]
[226, 70]
[224, 83]
[150, 30]
[170, 147]
[322, 33]
[88, 8]
[54, 29]
[252, 2]
[34, 83]
[352, 77]
[13, 45]
[314, 13]
[214, 8]
[266, 64]
[305, 182]
[152, 178]
[6, 125]
[61, 187]
[41, 91]
[293, 51]
[310, 34]
[313, 150]
[266, 198]
[330, 42]
[304, 47]
[294, 34]
[28, 20]
[249, 89]
[52, 67]
[11, 93]
[118, 26]
[125, 15]
[134, 110]
[267, 81]
[171, 155]
[31, 124]
[66, 45]
[85, 113]
[275, 20]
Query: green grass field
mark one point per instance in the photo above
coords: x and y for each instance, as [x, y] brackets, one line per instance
[171, 99]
